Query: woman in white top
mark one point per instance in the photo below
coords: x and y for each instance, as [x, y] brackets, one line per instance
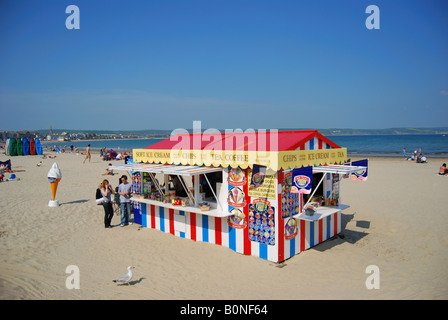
[107, 191]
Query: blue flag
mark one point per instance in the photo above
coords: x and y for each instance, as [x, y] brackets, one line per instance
[257, 179]
[302, 180]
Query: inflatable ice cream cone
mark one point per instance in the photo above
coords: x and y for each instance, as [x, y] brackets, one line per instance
[54, 187]
[54, 176]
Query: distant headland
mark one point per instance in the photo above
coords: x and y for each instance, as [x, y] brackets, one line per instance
[73, 134]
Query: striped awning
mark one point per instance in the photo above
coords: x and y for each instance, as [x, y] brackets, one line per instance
[340, 169]
[166, 169]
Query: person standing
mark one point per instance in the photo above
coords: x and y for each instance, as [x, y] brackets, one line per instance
[124, 190]
[87, 154]
[106, 191]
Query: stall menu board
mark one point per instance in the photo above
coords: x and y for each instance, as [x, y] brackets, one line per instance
[290, 201]
[262, 222]
[334, 199]
[146, 183]
[136, 188]
[136, 182]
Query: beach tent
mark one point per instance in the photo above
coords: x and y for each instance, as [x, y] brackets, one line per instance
[19, 147]
[26, 146]
[38, 146]
[32, 147]
[12, 147]
[7, 147]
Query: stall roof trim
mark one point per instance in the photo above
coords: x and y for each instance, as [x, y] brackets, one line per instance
[243, 141]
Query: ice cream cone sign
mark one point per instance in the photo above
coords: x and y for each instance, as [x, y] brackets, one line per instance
[54, 176]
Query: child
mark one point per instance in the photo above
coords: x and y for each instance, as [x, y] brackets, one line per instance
[108, 171]
[116, 200]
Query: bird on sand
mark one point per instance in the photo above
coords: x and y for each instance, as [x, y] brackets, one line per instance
[126, 278]
[39, 164]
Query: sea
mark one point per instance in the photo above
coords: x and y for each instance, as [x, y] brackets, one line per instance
[435, 146]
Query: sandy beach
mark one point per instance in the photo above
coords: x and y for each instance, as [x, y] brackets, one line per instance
[397, 221]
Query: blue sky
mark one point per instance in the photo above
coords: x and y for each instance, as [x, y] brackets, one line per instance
[230, 64]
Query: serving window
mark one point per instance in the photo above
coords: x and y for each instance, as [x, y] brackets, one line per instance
[178, 186]
[318, 196]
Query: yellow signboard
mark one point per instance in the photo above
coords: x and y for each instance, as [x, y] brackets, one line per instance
[243, 159]
[299, 158]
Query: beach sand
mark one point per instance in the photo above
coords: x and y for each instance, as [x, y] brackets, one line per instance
[397, 221]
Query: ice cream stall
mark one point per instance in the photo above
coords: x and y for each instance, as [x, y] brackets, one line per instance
[270, 194]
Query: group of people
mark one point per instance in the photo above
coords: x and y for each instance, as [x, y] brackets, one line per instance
[63, 149]
[122, 195]
[112, 155]
[418, 157]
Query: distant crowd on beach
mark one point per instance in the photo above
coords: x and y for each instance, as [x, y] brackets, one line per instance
[105, 155]
[59, 149]
[416, 156]
[113, 155]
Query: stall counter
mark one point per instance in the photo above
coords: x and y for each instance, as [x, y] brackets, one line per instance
[319, 213]
[213, 212]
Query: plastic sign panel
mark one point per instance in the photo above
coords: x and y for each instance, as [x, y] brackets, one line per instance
[361, 174]
[302, 180]
[262, 183]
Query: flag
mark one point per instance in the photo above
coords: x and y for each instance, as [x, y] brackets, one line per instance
[302, 180]
[257, 179]
[361, 174]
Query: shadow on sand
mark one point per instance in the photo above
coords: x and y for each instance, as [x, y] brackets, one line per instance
[131, 283]
[347, 235]
[73, 202]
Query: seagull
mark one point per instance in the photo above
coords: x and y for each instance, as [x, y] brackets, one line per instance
[126, 278]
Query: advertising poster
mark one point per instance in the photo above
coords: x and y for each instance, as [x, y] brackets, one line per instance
[333, 200]
[291, 228]
[261, 222]
[290, 201]
[236, 199]
[236, 177]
